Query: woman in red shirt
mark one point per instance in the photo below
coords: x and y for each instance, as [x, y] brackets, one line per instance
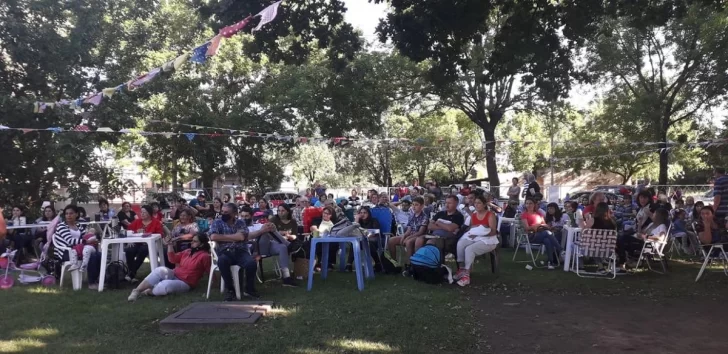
[538, 232]
[191, 263]
[136, 253]
[472, 245]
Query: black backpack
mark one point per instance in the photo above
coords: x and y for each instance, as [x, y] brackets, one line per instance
[115, 273]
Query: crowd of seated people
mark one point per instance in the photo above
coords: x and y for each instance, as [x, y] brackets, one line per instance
[464, 223]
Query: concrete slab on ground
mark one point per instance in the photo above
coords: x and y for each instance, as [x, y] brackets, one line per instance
[206, 315]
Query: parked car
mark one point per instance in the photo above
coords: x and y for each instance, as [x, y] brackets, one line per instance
[277, 198]
[614, 189]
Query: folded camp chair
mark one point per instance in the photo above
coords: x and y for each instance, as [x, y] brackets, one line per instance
[596, 243]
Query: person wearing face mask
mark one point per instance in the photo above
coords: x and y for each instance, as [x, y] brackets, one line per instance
[246, 214]
[231, 235]
[191, 265]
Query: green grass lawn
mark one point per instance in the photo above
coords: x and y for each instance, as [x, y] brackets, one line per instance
[392, 315]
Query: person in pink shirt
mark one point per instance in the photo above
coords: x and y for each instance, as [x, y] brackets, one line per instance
[538, 232]
[191, 264]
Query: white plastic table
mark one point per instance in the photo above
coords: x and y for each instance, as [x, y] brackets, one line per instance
[154, 242]
[571, 233]
[104, 232]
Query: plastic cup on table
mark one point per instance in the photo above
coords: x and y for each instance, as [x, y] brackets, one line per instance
[21, 221]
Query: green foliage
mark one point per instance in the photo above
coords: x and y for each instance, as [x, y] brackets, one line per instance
[663, 73]
[490, 56]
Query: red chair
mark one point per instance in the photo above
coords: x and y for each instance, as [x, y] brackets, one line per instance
[309, 215]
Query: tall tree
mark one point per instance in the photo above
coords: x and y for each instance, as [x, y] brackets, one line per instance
[488, 57]
[666, 71]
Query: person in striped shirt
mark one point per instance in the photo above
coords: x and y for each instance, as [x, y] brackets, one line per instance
[70, 233]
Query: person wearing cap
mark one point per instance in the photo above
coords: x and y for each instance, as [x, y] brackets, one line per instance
[199, 203]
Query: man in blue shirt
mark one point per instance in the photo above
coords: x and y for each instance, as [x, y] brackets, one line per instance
[199, 203]
[231, 235]
[720, 194]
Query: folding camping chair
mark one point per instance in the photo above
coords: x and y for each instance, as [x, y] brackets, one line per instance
[596, 243]
[653, 250]
[522, 240]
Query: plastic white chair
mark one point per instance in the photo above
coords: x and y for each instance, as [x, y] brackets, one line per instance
[213, 267]
[76, 275]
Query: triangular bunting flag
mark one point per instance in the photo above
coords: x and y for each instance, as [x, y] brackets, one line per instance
[231, 30]
[181, 60]
[302, 140]
[2, 127]
[81, 128]
[190, 136]
[26, 130]
[105, 130]
[143, 79]
[168, 135]
[108, 92]
[215, 135]
[55, 129]
[94, 100]
[267, 15]
[214, 46]
[125, 131]
[199, 54]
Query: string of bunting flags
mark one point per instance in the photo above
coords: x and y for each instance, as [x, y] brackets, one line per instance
[402, 143]
[198, 55]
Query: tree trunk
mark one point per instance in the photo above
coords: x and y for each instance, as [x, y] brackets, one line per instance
[664, 154]
[490, 161]
[174, 173]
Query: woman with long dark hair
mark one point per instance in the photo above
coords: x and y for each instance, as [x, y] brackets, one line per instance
[191, 264]
[538, 232]
[366, 221]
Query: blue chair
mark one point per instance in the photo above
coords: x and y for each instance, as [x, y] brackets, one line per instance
[384, 217]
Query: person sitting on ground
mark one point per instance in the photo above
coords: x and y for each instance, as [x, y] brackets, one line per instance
[446, 225]
[473, 244]
[136, 253]
[416, 228]
[199, 203]
[190, 265]
[276, 242]
[69, 233]
[231, 235]
[328, 219]
[217, 207]
[656, 231]
[262, 212]
[538, 232]
[366, 221]
[126, 215]
[106, 212]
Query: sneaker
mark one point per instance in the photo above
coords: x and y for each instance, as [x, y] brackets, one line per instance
[133, 296]
[230, 296]
[289, 282]
[550, 266]
[460, 273]
[74, 267]
[464, 280]
[251, 294]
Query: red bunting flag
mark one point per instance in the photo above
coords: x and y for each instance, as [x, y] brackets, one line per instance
[231, 30]
[26, 130]
[302, 140]
[81, 128]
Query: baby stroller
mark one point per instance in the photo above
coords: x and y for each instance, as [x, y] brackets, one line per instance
[29, 272]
